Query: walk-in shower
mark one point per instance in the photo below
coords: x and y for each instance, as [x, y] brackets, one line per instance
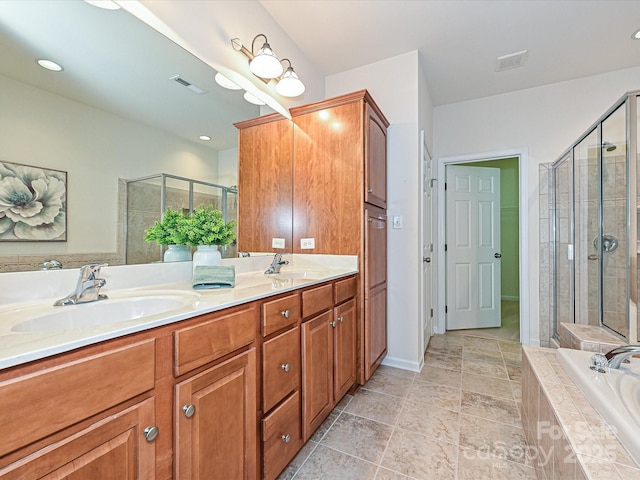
[594, 208]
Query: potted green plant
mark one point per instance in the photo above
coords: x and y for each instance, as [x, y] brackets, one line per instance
[166, 232]
[206, 229]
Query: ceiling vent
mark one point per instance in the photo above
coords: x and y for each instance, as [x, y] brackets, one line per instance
[190, 86]
[513, 60]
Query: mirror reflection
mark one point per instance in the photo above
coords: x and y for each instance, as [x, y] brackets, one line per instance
[129, 104]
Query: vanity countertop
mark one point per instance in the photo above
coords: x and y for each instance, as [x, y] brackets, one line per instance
[18, 347]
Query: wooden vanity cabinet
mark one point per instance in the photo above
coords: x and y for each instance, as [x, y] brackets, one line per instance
[264, 183]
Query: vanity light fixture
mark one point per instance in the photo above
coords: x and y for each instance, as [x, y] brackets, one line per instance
[263, 65]
[223, 81]
[636, 35]
[251, 98]
[49, 65]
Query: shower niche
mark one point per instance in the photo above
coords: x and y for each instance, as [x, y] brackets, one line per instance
[594, 221]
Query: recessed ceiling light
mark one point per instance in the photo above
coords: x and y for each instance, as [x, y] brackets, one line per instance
[49, 65]
[251, 98]
[206, 138]
[636, 35]
[225, 82]
[106, 4]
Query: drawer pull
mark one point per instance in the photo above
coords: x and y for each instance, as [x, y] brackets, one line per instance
[370, 190]
[189, 410]
[285, 313]
[341, 319]
[286, 438]
[333, 324]
[151, 433]
[285, 367]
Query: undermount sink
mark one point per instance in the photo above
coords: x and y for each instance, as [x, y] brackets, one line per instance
[120, 308]
[295, 274]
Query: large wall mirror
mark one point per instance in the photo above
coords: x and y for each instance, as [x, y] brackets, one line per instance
[112, 114]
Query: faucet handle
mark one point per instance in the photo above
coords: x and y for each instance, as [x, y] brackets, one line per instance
[51, 264]
[90, 270]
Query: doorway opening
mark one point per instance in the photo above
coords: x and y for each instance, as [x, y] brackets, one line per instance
[502, 276]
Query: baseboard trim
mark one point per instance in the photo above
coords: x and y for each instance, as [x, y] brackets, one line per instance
[402, 364]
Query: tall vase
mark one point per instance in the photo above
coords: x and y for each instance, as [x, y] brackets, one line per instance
[177, 253]
[207, 255]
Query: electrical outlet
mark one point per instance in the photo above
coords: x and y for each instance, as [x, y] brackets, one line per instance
[397, 221]
[307, 243]
[277, 243]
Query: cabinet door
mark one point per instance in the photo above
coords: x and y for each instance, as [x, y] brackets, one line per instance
[375, 291]
[345, 349]
[375, 170]
[112, 449]
[375, 250]
[280, 367]
[375, 329]
[215, 422]
[317, 371]
[265, 185]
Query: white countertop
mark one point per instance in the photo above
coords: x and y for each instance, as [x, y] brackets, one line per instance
[28, 293]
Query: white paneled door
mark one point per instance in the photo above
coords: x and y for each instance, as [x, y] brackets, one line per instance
[427, 247]
[472, 210]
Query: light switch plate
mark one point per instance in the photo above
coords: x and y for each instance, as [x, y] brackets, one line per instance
[397, 221]
[307, 243]
[277, 243]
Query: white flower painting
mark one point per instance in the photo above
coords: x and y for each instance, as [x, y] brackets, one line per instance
[33, 203]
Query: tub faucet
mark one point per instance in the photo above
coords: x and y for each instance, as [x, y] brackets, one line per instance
[88, 287]
[618, 355]
[276, 264]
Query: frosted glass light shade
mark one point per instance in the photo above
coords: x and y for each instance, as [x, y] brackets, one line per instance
[266, 64]
[251, 98]
[290, 85]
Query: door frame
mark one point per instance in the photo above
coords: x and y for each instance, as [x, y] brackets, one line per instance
[523, 261]
[424, 150]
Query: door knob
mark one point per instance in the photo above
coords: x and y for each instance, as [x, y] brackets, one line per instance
[497, 255]
[426, 259]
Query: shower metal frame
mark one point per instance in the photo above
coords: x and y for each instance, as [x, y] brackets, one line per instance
[630, 100]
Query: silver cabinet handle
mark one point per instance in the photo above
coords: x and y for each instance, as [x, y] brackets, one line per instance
[151, 433]
[286, 438]
[285, 313]
[189, 410]
[333, 324]
[341, 319]
[370, 190]
[285, 367]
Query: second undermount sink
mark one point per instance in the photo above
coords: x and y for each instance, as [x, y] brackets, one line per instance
[119, 308]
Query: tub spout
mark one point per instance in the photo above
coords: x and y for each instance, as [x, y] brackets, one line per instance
[618, 355]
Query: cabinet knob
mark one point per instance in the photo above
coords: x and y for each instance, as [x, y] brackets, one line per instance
[333, 324]
[285, 367]
[151, 433]
[370, 190]
[285, 313]
[189, 410]
[286, 438]
[341, 319]
[369, 219]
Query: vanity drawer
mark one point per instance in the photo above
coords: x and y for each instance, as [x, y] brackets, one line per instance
[36, 405]
[316, 300]
[280, 367]
[281, 436]
[345, 289]
[280, 313]
[215, 336]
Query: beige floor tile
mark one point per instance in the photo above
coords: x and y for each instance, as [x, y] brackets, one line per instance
[342, 404]
[472, 466]
[298, 460]
[494, 356]
[438, 360]
[357, 436]
[375, 406]
[496, 387]
[482, 367]
[482, 344]
[446, 344]
[398, 372]
[512, 358]
[385, 382]
[441, 376]
[491, 408]
[515, 373]
[324, 426]
[418, 457]
[328, 464]
[491, 438]
[436, 423]
[509, 347]
[431, 394]
[384, 474]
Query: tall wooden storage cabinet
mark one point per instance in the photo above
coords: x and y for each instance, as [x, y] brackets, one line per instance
[340, 200]
[338, 196]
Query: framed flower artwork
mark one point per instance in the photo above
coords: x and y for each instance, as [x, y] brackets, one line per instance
[33, 204]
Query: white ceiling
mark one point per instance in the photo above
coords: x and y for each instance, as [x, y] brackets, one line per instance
[459, 41]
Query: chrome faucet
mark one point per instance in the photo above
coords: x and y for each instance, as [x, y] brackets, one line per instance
[276, 264]
[88, 287]
[51, 264]
[618, 355]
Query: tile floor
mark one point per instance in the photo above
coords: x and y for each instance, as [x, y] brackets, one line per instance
[457, 419]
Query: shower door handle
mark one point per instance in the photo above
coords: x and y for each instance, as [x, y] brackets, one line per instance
[497, 255]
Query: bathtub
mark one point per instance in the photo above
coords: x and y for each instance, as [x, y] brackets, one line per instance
[615, 394]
